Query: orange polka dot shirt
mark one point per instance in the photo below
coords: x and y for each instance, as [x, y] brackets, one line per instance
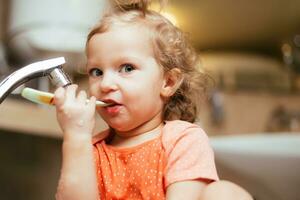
[181, 152]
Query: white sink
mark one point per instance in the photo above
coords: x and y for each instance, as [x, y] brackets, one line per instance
[267, 165]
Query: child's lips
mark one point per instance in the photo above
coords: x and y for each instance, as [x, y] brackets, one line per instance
[110, 102]
[113, 107]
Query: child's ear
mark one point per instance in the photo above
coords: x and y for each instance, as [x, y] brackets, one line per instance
[172, 81]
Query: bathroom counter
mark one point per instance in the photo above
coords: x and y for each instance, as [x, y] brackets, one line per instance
[25, 117]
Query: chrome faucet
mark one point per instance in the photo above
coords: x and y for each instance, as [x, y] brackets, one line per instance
[51, 68]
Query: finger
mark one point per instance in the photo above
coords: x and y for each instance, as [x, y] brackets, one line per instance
[71, 92]
[59, 96]
[81, 97]
[92, 103]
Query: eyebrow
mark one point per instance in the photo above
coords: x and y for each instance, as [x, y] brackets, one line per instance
[92, 65]
[121, 59]
[129, 58]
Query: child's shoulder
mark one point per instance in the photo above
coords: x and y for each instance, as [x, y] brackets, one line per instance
[179, 127]
[183, 131]
[180, 124]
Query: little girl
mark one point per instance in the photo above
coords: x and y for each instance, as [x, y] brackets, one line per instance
[143, 66]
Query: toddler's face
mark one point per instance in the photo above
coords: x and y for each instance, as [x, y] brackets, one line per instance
[122, 70]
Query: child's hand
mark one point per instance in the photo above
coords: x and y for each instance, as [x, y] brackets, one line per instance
[76, 117]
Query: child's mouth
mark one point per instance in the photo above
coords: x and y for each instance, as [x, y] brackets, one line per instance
[112, 107]
[110, 103]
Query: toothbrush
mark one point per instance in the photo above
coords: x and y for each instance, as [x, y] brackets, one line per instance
[47, 98]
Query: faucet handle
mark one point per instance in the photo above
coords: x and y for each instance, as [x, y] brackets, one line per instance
[59, 78]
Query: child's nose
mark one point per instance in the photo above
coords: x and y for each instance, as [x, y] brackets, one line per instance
[108, 83]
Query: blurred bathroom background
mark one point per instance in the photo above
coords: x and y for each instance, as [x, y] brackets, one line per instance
[252, 115]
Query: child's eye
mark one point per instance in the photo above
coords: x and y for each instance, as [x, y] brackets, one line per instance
[127, 68]
[95, 72]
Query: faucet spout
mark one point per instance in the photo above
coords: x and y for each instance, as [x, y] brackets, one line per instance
[51, 68]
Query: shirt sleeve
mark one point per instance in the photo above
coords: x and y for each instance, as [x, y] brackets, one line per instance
[189, 156]
[96, 141]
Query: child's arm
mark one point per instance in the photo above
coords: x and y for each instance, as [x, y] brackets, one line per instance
[197, 190]
[190, 157]
[185, 190]
[225, 190]
[76, 118]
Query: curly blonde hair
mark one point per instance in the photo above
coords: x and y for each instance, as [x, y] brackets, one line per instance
[171, 50]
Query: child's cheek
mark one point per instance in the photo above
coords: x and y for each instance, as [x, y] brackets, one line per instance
[93, 89]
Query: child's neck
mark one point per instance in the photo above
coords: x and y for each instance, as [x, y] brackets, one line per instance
[137, 136]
